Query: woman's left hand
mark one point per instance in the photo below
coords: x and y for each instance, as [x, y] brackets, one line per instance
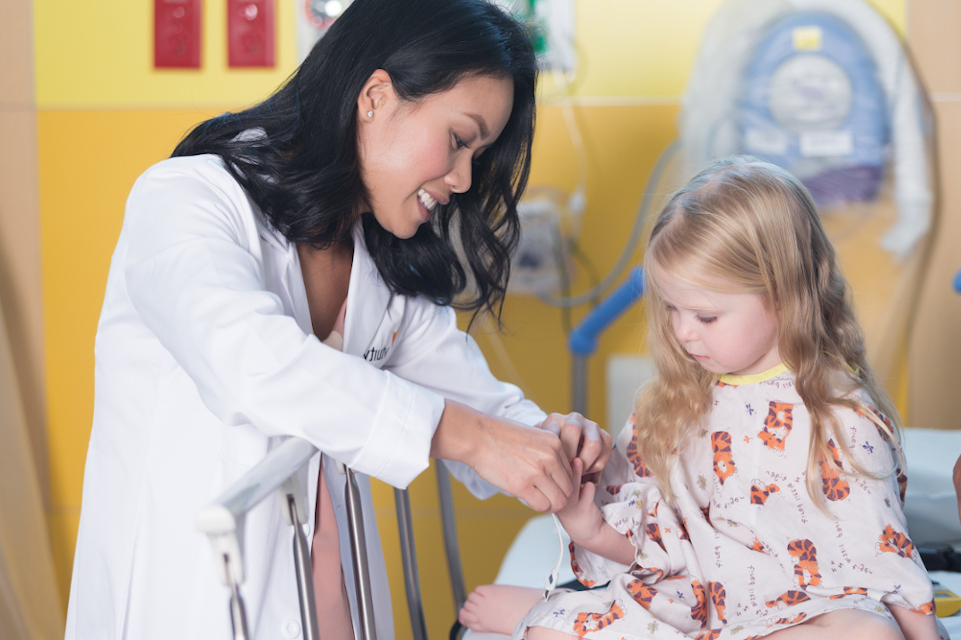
[581, 438]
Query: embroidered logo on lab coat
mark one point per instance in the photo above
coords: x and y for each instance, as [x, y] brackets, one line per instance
[375, 354]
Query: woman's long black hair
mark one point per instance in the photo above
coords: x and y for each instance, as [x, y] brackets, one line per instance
[303, 170]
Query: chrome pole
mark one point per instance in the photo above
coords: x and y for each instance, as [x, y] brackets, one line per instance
[449, 524]
[305, 581]
[223, 522]
[358, 543]
[405, 529]
[238, 616]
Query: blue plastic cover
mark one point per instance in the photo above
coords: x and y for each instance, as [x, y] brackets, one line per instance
[812, 104]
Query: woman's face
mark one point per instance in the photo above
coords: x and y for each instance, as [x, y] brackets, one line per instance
[414, 155]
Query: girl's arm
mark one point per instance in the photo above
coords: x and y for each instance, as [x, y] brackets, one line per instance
[586, 525]
[914, 625]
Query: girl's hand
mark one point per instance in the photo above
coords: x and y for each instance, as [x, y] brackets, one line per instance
[582, 438]
[581, 518]
[585, 524]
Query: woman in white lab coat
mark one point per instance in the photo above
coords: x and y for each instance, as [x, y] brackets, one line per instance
[291, 271]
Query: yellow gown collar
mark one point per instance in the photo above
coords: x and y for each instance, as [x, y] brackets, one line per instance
[751, 378]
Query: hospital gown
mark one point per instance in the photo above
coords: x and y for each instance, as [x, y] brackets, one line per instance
[745, 551]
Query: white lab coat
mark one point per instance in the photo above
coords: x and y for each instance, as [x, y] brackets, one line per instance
[205, 360]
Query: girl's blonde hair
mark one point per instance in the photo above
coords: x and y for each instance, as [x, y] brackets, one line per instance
[753, 225]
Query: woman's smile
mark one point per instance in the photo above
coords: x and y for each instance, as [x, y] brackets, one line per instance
[415, 153]
[429, 202]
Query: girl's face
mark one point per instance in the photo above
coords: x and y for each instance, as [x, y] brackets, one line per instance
[414, 155]
[725, 332]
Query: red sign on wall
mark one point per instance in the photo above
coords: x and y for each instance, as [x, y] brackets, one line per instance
[250, 33]
[176, 33]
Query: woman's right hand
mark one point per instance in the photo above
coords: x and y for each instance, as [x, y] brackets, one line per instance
[581, 438]
[527, 463]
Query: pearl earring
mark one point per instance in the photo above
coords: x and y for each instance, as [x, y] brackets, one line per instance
[370, 114]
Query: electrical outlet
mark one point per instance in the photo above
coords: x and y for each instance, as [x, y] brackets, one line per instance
[250, 33]
[176, 37]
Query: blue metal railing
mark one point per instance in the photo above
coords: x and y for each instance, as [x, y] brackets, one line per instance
[583, 339]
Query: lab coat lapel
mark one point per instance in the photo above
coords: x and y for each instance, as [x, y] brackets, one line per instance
[294, 284]
[291, 278]
[367, 294]
[367, 298]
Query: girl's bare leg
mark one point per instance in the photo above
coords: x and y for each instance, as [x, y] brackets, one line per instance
[850, 624]
[543, 633]
[916, 626]
[497, 608]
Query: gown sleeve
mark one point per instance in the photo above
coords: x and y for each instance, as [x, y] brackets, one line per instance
[632, 502]
[869, 509]
[192, 273]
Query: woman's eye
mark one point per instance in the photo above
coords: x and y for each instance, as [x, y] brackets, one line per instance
[706, 319]
[458, 143]
[670, 309]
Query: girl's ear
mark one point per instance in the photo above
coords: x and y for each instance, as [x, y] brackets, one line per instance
[374, 96]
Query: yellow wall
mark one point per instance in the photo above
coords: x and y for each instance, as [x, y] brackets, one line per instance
[105, 115]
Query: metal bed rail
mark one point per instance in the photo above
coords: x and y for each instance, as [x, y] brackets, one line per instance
[285, 470]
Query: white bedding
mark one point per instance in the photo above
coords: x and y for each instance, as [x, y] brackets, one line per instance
[930, 505]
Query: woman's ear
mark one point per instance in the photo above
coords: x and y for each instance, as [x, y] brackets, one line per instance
[374, 95]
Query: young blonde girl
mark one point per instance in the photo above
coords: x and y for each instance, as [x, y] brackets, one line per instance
[758, 491]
